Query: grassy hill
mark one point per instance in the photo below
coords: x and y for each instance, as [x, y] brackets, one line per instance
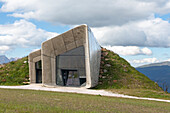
[118, 76]
[117, 73]
[15, 72]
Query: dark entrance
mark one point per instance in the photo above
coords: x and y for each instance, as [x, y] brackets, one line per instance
[38, 68]
[70, 78]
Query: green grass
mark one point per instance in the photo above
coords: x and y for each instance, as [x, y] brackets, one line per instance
[143, 93]
[117, 73]
[15, 72]
[29, 101]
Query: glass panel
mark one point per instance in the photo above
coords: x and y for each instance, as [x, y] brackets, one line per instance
[72, 62]
[38, 72]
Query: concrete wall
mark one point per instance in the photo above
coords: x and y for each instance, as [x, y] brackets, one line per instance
[33, 58]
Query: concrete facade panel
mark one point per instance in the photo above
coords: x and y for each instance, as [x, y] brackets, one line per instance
[79, 32]
[33, 58]
[71, 46]
[68, 37]
[80, 42]
[46, 70]
[58, 44]
[47, 48]
[34, 54]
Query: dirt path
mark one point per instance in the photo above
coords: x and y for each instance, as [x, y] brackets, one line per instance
[78, 90]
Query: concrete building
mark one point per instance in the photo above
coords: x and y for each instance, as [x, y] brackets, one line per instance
[69, 59]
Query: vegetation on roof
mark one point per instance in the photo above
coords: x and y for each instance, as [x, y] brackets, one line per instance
[117, 73]
[15, 72]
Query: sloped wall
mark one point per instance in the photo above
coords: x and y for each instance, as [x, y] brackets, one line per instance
[94, 58]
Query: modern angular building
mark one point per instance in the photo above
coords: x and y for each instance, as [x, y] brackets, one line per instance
[69, 59]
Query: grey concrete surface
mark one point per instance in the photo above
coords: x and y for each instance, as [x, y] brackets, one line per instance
[33, 58]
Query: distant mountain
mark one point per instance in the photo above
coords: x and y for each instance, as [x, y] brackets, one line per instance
[167, 63]
[158, 72]
[3, 59]
[13, 59]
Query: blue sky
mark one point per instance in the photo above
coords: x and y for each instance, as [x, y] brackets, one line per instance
[138, 30]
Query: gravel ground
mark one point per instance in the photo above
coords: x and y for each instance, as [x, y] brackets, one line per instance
[80, 90]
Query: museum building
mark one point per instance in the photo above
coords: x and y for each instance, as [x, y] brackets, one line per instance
[69, 59]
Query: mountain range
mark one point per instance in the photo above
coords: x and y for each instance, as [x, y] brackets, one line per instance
[158, 72]
[4, 59]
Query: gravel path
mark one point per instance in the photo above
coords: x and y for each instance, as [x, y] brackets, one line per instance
[78, 90]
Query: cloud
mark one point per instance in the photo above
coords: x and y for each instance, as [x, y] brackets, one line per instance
[35, 50]
[153, 32]
[95, 13]
[145, 60]
[129, 50]
[168, 60]
[3, 49]
[22, 34]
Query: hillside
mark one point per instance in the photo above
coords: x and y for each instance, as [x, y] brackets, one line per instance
[15, 72]
[117, 73]
[158, 72]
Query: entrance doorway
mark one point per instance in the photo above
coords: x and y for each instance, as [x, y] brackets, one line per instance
[38, 72]
[70, 78]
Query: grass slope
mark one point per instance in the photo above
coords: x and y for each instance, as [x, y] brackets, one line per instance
[117, 73]
[28, 101]
[118, 76]
[15, 72]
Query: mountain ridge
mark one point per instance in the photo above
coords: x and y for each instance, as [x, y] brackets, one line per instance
[158, 72]
[4, 59]
[155, 64]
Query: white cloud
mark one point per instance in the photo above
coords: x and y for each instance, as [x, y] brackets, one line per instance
[115, 22]
[153, 32]
[129, 50]
[35, 50]
[168, 60]
[3, 49]
[22, 34]
[92, 12]
[145, 60]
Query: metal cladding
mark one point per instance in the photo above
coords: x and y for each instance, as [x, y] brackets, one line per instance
[75, 50]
